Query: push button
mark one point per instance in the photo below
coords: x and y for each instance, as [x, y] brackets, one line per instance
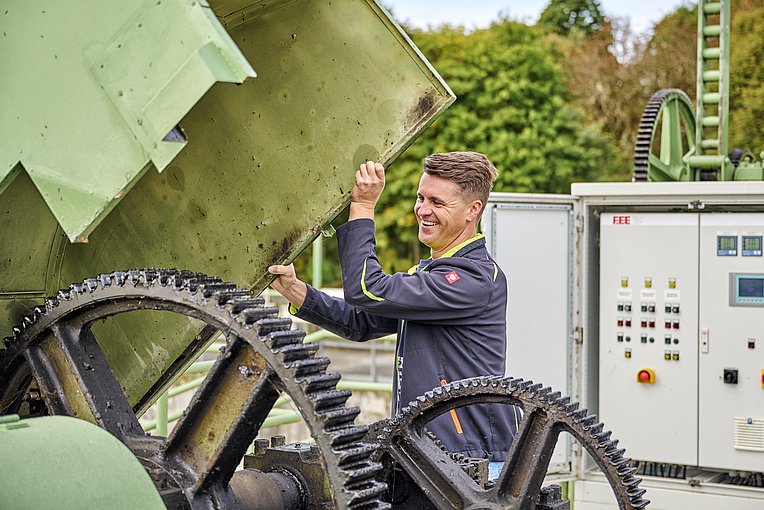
[620, 337]
[646, 376]
[627, 322]
[667, 339]
[676, 323]
[667, 355]
[627, 353]
[651, 308]
[651, 323]
[620, 307]
[675, 308]
[620, 322]
[667, 309]
[627, 307]
[643, 339]
[672, 283]
[675, 355]
[667, 323]
[643, 322]
[643, 307]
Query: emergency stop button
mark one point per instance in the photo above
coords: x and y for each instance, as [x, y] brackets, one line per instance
[646, 376]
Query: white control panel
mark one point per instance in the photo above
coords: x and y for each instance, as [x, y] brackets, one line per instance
[732, 342]
[648, 342]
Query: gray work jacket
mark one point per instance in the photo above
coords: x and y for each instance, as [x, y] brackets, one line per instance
[450, 318]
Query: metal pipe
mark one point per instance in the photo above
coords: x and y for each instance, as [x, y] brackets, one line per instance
[318, 262]
[161, 423]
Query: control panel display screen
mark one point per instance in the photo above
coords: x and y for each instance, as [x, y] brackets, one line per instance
[746, 289]
[726, 246]
[750, 287]
[751, 246]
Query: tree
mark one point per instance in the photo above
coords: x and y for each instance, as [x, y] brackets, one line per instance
[563, 16]
[512, 105]
[747, 76]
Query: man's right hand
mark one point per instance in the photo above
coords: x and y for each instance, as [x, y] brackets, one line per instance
[288, 285]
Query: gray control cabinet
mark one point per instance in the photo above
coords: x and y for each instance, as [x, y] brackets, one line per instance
[645, 302]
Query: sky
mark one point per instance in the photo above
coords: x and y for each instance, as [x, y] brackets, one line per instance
[479, 13]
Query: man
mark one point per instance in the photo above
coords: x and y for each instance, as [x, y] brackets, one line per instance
[449, 311]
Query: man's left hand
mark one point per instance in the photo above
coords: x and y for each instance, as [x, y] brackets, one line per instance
[369, 184]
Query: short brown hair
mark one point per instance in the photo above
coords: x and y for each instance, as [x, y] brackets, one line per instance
[471, 171]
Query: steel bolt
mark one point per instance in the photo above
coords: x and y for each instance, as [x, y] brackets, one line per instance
[278, 441]
[261, 445]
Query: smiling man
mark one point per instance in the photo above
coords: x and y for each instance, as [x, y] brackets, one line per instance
[449, 311]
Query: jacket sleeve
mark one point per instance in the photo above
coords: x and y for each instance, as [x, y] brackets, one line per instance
[335, 315]
[451, 291]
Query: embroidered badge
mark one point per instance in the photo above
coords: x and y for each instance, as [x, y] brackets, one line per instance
[452, 277]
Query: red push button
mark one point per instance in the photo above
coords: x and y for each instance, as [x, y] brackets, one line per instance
[646, 376]
[628, 322]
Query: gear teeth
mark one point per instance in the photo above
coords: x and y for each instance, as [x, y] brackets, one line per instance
[51, 302]
[609, 446]
[134, 277]
[236, 305]
[226, 296]
[640, 503]
[327, 399]
[344, 416]
[149, 276]
[294, 352]
[355, 455]
[308, 367]
[631, 481]
[627, 470]
[119, 277]
[364, 496]
[636, 492]
[280, 338]
[320, 382]
[349, 435]
[602, 437]
[250, 316]
[363, 474]
[210, 289]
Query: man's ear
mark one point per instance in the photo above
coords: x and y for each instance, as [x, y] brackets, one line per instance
[474, 211]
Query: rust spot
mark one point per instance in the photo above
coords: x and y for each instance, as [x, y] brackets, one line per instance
[211, 435]
[424, 105]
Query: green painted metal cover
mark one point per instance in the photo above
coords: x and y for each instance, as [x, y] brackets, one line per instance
[267, 163]
[58, 462]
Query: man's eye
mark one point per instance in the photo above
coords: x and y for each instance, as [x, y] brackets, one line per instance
[419, 199]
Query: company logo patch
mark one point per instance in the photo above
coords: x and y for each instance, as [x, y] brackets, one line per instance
[452, 277]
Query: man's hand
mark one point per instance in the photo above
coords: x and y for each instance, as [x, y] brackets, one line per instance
[288, 285]
[369, 183]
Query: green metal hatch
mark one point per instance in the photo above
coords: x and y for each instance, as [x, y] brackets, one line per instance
[257, 167]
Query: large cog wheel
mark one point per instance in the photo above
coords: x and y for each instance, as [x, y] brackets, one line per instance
[432, 479]
[666, 136]
[262, 358]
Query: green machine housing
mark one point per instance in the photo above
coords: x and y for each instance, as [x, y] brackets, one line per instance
[219, 137]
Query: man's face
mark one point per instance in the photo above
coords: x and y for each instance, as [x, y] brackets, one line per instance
[445, 218]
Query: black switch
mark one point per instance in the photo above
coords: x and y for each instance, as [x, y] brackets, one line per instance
[730, 376]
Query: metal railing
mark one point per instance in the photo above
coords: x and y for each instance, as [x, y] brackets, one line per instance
[277, 416]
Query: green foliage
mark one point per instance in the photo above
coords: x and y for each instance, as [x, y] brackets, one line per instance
[511, 106]
[564, 16]
[747, 76]
[552, 104]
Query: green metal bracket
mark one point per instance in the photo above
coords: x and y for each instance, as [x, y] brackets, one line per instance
[115, 103]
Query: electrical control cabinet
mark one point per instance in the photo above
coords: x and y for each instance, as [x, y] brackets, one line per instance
[731, 379]
[648, 333]
[658, 326]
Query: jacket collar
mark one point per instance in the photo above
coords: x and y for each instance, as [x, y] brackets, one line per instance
[467, 246]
